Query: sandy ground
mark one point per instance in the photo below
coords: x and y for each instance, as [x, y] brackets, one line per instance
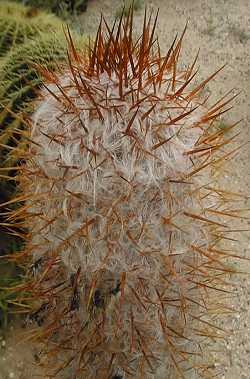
[221, 29]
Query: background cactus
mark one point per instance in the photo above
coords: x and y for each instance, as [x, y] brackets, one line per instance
[125, 221]
[19, 24]
[60, 7]
[20, 79]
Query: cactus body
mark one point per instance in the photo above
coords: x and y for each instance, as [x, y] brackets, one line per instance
[124, 223]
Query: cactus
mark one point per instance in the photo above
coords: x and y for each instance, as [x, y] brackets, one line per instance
[20, 79]
[10, 276]
[60, 6]
[19, 23]
[124, 216]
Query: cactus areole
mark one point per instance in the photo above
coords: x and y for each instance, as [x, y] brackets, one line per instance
[124, 221]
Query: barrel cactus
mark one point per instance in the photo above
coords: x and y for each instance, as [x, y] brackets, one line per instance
[20, 81]
[124, 218]
[60, 7]
[19, 23]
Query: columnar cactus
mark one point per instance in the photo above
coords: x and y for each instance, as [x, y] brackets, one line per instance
[124, 221]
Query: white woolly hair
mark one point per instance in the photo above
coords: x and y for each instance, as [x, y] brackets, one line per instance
[124, 187]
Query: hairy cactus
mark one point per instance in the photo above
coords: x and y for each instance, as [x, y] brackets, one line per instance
[125, 223]
[19, 23]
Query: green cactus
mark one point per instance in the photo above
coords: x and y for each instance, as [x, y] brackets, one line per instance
[20, 80]
[19, 23]
[10, 276]
[60, 7]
